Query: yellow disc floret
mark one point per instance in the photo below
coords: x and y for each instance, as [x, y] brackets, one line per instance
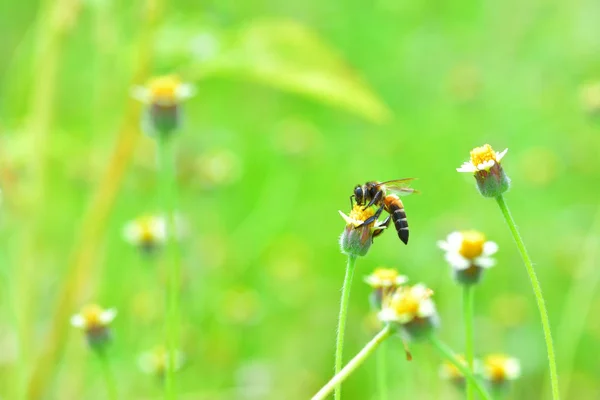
[472, 244]
[92, 315]
[407, 301]
[483, 155]
[164, 89]
[496, 367]
[386, 274]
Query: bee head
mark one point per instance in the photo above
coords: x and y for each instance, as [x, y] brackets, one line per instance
[359, 194]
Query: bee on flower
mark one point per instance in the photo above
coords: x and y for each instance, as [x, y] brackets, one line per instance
[163, 96]
[357, 237]
[95, 322]
[384, 282]
[499, 370]
[155, 361]
[411, 309]
[468, 253]
[450, 372]
[485, 165]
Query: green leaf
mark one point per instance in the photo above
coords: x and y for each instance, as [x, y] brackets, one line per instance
[279, 53]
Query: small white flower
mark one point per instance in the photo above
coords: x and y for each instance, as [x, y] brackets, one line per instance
[482, 159]
[93, 317]
[146, 230]
[467, 248]
[407, 304]
[385, 278]
[499, 368]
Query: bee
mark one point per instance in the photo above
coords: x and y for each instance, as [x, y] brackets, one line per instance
[385, 196]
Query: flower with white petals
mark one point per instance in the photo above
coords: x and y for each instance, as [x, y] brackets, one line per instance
[163, 97]
[155, 361]
[487, 169]
[95, 322]
[499, 369]
[384, 282]
[468, 253]
[147, 232]
[412, 308]
[449, 371]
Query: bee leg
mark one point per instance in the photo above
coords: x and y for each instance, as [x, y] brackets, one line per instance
[372, 218]
[384, 225]
[351, 202]
[374, 200]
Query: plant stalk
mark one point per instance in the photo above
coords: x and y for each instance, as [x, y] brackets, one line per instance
[339, 344]
[381, 372]
[168, 191]
[537, 290]
[354, 363]
[109, 379]
[468, 318]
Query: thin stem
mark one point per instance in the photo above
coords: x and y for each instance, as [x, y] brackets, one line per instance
[537, 290]
[449, 355]
[381, 373]
[339, 344]
[168, 192]
[354, 363]
[468, 317]
[109, 379]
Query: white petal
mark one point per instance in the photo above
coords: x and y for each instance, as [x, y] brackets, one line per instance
[457, 261]
[387, 315]
[442, 244]
[489, 248]
[467, 167]
[107, 316]
[484, 262]
[78, 321]
[500, 155]
[401, 279]
[513, 368]
[419, 290]
[185, 91]
[455, 240]
[350, 221]
[426, 308]
[486, 165]
[141, 93]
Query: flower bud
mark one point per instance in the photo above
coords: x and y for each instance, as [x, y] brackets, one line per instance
[357, 237]
[485, 165]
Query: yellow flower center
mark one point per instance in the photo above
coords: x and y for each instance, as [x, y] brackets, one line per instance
[495, 366]
[451, 370]
[164, 88]
[92, 316]
[472, 244]
[386, 274]
[359, 214]
[479, 155]
[147, 234]
[407, 303]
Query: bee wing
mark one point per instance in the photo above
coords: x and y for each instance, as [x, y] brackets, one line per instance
[400, 186]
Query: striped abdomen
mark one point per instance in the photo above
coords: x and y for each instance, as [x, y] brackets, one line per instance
[393, 205]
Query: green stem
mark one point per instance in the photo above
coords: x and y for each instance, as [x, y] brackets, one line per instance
[354, 363]
[339, 344]
[109, 379]
[381, 373]
[448, 354]
[468, 317]
[537, 290]
[168, 192]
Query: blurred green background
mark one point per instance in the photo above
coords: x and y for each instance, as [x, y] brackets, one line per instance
[296, 103]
